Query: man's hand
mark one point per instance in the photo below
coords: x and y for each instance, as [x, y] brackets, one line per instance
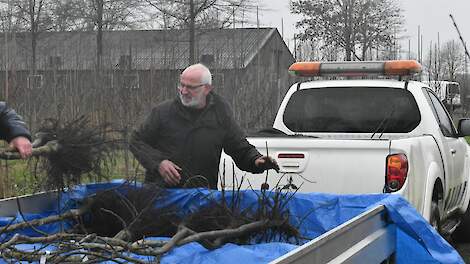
[23, 146]
[170, 172]
[267, 163]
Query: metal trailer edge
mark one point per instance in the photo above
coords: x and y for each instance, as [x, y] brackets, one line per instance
[366, 238]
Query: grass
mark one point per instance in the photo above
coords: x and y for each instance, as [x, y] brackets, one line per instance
[18, 177]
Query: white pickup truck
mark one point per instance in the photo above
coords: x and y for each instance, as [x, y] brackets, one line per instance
[359, 136]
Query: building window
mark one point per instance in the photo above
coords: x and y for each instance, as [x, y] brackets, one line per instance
[54, 62]
[108, 81]
[125, 62]
[35, 81]
[131, 81]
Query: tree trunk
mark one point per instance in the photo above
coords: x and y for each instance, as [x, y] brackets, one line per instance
[33, 52]
[34, 31]
[348, 30]
[99, 34]
[192, 21]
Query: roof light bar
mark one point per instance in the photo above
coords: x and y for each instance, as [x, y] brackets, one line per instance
[355, 68]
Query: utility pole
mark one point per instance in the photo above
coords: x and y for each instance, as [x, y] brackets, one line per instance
[257, 17]
[7, 59]
[419, 53]
[282, 28]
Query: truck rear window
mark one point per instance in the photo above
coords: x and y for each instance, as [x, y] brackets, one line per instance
[352, 110]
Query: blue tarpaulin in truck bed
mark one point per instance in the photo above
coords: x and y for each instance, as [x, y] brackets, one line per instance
[417, 241]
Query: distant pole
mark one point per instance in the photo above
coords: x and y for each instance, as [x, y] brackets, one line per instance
[430, 61]
[421, 48]
[282, 28]
[295, 49]
[6, 65]
[7, 59]
[438, 53]
[233, 16]
[257, 17]
[419, 45]
[409, 49]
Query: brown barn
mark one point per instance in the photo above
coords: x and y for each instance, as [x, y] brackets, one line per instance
[140, 69]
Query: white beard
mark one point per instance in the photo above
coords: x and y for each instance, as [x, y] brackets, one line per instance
[194, 102]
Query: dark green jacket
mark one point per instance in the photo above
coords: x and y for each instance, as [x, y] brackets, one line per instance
[11, 124]
[193, 141]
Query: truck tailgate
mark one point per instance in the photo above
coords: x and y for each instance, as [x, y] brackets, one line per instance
[319, 165]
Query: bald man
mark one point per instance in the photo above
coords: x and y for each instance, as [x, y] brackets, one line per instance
[181, 140]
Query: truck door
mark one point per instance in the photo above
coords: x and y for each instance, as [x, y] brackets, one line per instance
[453, 153]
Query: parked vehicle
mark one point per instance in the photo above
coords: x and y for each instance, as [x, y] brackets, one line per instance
[448, 92]
[358, 136]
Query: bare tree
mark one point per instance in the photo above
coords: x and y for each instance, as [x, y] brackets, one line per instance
[194, 14]
[33, 16]
[445, 62]
[102, 15]
[453, 60]
[353, 25]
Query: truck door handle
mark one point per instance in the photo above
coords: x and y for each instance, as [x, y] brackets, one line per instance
[453, 151]
[290, 165]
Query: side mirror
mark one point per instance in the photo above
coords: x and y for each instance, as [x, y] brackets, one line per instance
[464, 127]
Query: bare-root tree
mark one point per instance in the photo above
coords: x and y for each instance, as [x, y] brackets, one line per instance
[115, 222]
[65, 152]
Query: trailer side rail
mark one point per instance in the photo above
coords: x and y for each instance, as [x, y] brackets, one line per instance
[367, 238]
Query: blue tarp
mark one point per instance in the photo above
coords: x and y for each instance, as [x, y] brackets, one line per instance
[417, 241]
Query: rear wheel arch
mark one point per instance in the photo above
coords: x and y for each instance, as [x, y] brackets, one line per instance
[438, 191]
[437, 205]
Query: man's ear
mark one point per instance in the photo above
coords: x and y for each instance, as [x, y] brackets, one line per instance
[208, 88]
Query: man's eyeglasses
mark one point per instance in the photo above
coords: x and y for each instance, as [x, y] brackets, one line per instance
[189, 87]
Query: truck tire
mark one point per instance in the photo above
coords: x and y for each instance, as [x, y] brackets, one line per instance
[462, 233]
[435, 219]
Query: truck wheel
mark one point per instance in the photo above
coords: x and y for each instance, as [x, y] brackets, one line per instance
[435, 219]
[462, 233]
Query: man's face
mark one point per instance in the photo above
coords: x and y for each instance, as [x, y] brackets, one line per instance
[192, 93]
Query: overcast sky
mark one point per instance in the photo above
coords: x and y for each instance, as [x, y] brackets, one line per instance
[431, 15]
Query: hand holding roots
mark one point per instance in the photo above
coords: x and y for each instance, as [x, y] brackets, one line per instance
[44, 150]
[66, 151]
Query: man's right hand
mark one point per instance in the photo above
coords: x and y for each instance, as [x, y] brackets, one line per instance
[23, 146]
[170, 172]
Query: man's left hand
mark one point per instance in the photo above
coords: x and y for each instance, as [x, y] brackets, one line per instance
[267, 163]
[23, 146]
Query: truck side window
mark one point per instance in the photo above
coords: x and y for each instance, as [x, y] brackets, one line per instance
[441, 114]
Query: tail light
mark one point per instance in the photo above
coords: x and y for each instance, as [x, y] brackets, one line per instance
[397, 170]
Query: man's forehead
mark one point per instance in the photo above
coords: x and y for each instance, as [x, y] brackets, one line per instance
[192, 74]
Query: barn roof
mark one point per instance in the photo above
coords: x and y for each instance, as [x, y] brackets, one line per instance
[146, 49]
